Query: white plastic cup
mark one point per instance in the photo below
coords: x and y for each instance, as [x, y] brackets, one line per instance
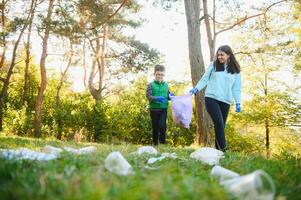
[255, 186]
[222, 174]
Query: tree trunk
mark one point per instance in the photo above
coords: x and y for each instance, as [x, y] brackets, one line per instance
[84, 65]
[3, 36]
[27, 61]
[12, 65]
[99, 59]
[192, 9]
[58, 99]
[211, 39]
[94, 92]
[39, 100]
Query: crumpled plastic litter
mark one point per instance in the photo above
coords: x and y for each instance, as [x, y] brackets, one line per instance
[163, 156]
[26, 154]
[208, 155]
[147, 149]
[52, 149]
[117, 164]
[81, 151]
[181, 107]
[254, 186]
[222, 173]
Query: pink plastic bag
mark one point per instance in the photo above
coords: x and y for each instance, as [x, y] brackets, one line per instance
[182, 109]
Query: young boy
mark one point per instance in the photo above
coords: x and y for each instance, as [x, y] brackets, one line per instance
[157, 93]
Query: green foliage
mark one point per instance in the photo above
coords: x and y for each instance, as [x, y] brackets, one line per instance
[241, 142]
[279, 108]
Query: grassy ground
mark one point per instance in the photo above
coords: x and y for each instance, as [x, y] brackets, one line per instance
[84, 177]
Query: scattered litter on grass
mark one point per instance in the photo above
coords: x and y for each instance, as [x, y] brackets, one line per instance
[163, 156]
[147, 150]
[222, 173]
[84, 150]
[116, 163]
[151, 168]
[254, 186]
[207, 155]
[52, 149]
[26, 154]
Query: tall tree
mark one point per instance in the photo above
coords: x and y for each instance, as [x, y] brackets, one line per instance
[192, 10]
[43, 84]
[6, 82]
[3, 33]
[214, 26]
[102, 23]
[266, 52]
[28, 57]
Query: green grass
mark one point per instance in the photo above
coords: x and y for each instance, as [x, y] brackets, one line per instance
[84, 176]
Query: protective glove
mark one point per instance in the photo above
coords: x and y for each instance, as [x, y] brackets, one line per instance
[193, 91]
[160, 99]
[238, 108]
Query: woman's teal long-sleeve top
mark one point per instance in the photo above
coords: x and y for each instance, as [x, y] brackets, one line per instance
[221, 85]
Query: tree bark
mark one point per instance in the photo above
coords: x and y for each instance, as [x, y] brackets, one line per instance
[12, 65]
[192, 9]
[211, 37]
[58, 91]
[99, 60]
[39, 100]
[3, 37]
[27, 60]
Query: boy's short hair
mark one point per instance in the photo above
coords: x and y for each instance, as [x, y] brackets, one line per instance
[160, 68]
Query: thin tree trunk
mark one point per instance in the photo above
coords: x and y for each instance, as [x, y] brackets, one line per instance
[58, 91]
[99, 59]
[12, 65]
[39, 100]
[211, 40]
[27, 61]
[267, 126]
[3, 36]
[94, 92]
[84, 65]
[192, 9]
[102, 65]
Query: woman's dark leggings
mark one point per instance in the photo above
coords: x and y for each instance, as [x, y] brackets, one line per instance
[218, 112]
[159, 125]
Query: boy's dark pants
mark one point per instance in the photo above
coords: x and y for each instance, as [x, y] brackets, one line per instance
[158, 117]
[218, 112]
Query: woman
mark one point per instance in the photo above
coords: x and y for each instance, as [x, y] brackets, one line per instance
[223, 81]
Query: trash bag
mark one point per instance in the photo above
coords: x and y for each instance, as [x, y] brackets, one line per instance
[255, 186]
[182, 109]
[116, 163]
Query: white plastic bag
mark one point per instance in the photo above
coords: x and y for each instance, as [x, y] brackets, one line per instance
[207, 155]
[255, 186]
[116, 163]
[182, 109]
[147, 149]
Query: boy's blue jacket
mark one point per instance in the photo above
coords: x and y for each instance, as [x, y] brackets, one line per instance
[221, 85]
